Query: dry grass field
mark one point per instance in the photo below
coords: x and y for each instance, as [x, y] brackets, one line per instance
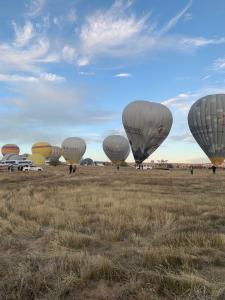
[104, 234]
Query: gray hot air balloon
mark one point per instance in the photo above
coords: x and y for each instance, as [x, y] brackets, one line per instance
[87, 162]
[73, 149]
[147, 124]
[206, 121]
[56, 153]
[116, 147]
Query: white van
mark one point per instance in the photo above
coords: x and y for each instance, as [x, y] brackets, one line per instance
[17, 163]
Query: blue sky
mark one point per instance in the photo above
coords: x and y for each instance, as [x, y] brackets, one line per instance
[68, 68]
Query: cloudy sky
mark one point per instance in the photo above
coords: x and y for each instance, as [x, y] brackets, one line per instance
[68, 68]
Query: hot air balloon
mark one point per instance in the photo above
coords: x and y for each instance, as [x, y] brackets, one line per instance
[147, 124]
[37, 159]
[206, 121]
[87, 162]
[10, 149]
[42, 148]
[56, 153]
[73, 149]
[117, 148]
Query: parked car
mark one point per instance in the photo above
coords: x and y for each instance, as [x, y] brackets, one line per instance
[32, 169]
[144, 167]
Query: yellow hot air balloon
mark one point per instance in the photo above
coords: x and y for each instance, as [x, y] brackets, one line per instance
[37, 159]
[42, 148]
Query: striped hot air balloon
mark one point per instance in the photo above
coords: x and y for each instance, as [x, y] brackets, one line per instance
[37, 159]
[10, 149]
[42, 148]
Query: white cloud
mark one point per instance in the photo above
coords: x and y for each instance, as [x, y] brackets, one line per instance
[69, 53]
[83, 61]
[71, 17]
[119, 33]
[183, 101]
[188, 17]
[15, 59]
[62, 20]
[20, 78]
[123, 75]
[16, 78]
[107, 31]
[51, 77]
[184, 137]
[179, 98]
[172, 22]
[86, 73]
[35, 8]
[219, 64]
[34, 105]
[23, 34]
[192, 43]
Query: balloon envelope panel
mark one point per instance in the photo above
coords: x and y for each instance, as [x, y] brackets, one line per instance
[206, 121]
[147, 124]
[73, 149]
[10, 149]
[116, 147]
[42, 148]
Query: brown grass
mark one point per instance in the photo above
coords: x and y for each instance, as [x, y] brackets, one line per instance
[104, 234]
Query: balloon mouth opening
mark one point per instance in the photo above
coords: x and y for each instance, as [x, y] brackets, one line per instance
[217, 161]
[138, 162]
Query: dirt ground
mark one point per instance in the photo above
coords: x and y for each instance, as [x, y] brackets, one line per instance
[108, 234]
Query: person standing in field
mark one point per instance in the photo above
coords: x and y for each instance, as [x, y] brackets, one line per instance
[70, 169]
[214, 169]
[192, 170]
[74, 168]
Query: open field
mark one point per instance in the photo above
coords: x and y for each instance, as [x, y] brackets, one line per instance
[104, 234]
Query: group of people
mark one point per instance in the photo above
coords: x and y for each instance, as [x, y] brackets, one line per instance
[72, 169]
[213, 170]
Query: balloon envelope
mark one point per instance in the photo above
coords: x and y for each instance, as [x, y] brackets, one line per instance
[147, 124]
[42, 148]
[73, 149]
[10, 149]
[55, 154]
[37, 159]
[87, 162]
[116, 147]
[206, 121]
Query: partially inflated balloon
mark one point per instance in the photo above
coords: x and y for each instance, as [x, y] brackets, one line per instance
[56, 153]
[116, 147]
[147, 124]
[206, 121]
[73, 149]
